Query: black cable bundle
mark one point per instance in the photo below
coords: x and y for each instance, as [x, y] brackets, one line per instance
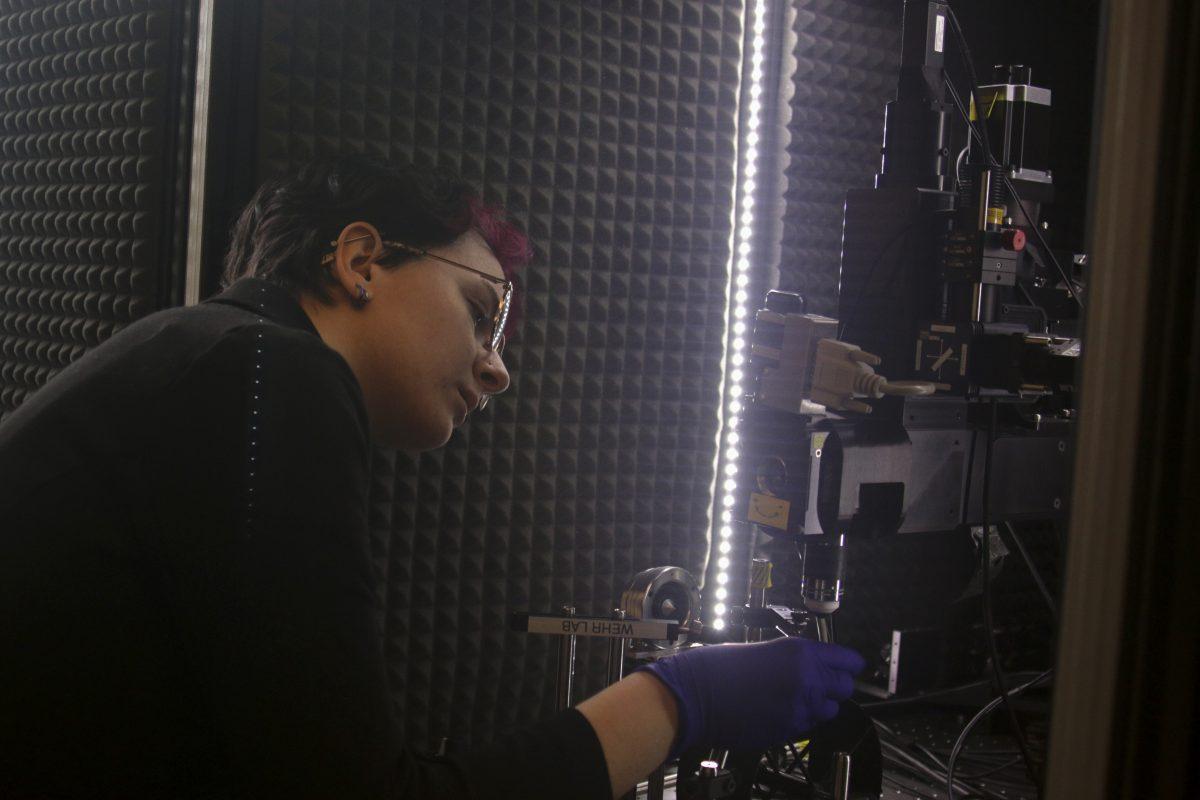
[989, 627]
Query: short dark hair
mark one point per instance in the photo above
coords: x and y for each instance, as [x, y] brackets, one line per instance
[286, 228]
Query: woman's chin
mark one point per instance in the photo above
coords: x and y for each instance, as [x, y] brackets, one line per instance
[417, 438]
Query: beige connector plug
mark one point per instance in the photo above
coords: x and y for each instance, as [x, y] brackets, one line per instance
[845, 371]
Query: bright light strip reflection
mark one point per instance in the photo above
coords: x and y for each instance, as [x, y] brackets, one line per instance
[739, 282]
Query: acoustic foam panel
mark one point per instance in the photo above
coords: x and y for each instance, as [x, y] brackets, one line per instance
[608, 130]
[86, 126]
[847, 60]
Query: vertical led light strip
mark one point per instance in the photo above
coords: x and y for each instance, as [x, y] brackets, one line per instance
[736, 353]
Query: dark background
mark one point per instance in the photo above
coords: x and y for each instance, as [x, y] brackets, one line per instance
[609, 131]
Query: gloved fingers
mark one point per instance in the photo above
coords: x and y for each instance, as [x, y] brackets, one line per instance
[837, 657]
[814, 699]
[826, 711]
[839, 685]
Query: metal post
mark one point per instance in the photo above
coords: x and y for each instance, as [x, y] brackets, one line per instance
[985, 193]
[566, 665]
[824, 629]
[196, 191]
[656, 784]
[760, 581]
[841, 776]
[616, 653]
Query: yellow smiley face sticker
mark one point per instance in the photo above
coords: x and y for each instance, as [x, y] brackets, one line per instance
[768, 510]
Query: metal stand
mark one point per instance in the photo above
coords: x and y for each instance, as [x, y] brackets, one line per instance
[616, 653]
[841, 777]
[824, 628]
[656, 784]
[566, 665]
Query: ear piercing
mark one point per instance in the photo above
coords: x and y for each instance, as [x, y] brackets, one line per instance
[363, 295]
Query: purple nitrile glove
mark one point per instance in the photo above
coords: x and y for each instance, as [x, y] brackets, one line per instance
[754, 696]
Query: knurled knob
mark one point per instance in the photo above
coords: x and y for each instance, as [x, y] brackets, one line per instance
[1013, 239]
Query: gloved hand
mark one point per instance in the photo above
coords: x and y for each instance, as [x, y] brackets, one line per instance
[754, 696]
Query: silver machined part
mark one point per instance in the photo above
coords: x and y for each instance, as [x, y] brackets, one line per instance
[841, 776]
[820, 591]
[824, 629]
[616, 652]
[566, 666]
[1017, 93]
[663, 593]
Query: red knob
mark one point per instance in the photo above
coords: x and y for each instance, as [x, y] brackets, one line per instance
[1014, 239]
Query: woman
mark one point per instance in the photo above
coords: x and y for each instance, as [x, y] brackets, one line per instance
[188, 601]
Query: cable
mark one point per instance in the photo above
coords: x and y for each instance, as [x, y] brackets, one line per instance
[1037, 577]
[925, 697]
[989, 628]
[976, 776]
[937, 769]
[928, 696]
[896, 754]
[842, 372]
[958, 165]
[964, 51]
[975, 720]
[1012, 190]
[911, 763]
[908, 388]
[1043, 245]
[1021, 288]
[942, 767]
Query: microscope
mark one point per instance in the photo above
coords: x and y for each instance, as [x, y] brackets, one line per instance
[942, 396]
[940, 399]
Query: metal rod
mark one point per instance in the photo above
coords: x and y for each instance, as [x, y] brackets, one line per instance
[985, 193]
[566, 665]
[824, 629]
[656, 783]
[977, 302]
[616, 653]
[200, 106]
[760, 581]
[841, 776]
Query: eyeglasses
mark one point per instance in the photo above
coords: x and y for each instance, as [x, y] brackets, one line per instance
[494, 341]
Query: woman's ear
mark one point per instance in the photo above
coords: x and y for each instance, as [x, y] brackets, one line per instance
[358, 247]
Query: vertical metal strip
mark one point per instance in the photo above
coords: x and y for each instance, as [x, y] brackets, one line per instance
[195, 234]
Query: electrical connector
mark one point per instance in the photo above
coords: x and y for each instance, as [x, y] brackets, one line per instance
[844, 372]
[784, 349]
[801, 364]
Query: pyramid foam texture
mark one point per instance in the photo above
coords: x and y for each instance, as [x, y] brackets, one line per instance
[847, 61]
[83, 120]
[608, 131]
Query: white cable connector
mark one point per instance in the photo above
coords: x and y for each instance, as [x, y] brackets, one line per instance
[804, 365]
[845, 371]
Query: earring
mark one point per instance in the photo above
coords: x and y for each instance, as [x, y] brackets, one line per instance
[363, 295]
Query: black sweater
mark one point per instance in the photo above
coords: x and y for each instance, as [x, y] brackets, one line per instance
[187, 607]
